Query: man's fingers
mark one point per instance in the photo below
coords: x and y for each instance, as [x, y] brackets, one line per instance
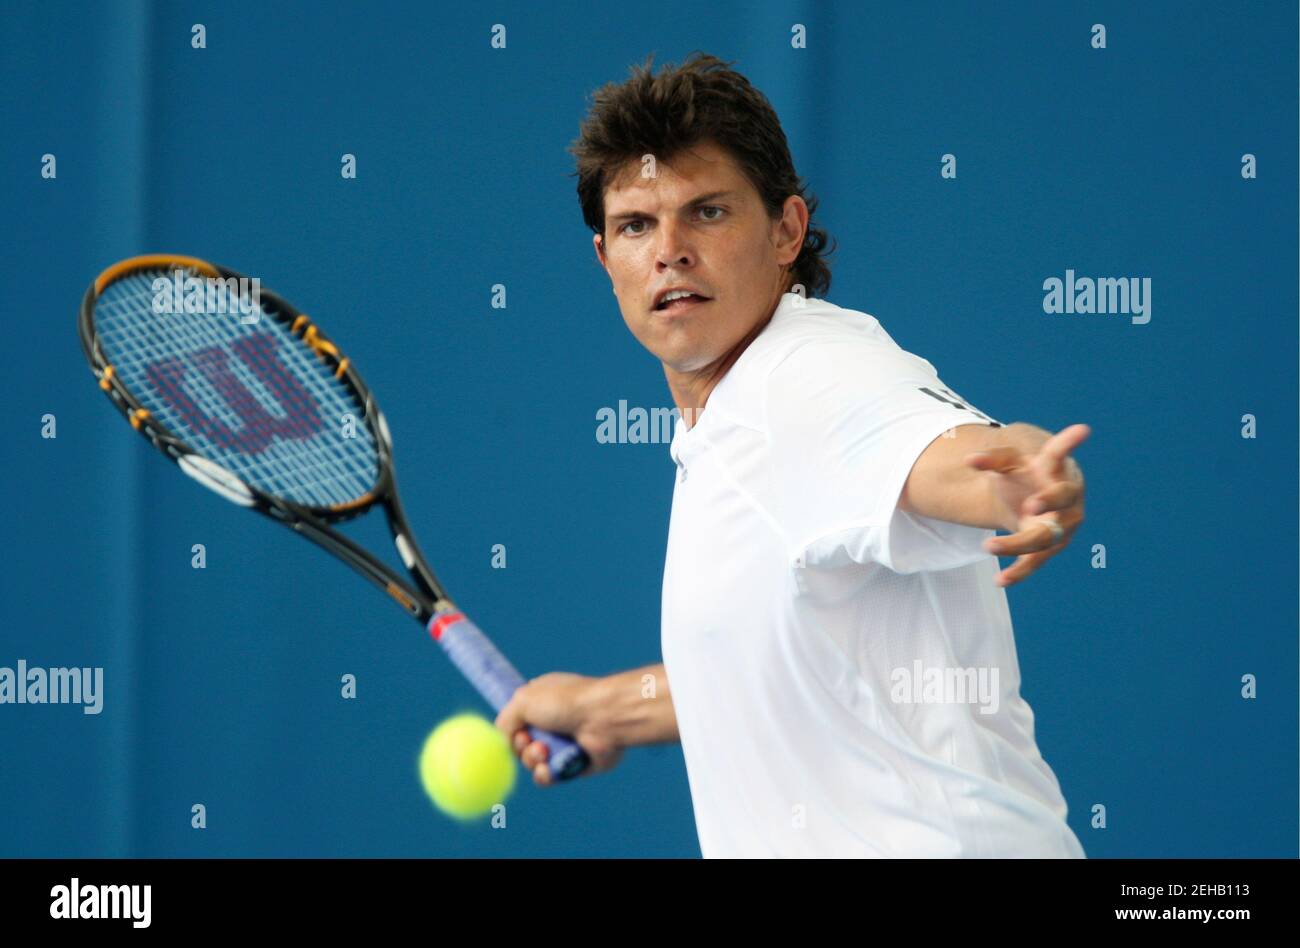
[535, 753]
[510, 719]
[1038, 536]
[1058, 496]
[1058, 447]
[532, 754]
[1035, 545]
[1038, 542]
[1003, 459]
[1022, 567]
[534, 758]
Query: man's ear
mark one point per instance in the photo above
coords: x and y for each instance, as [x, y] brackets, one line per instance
[598, 242]
[793, 226]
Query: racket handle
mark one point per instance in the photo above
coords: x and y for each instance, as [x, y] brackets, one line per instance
[497, 680]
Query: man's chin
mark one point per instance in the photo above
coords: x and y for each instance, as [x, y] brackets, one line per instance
[685, 363]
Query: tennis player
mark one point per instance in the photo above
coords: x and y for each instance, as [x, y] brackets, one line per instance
[838, 657]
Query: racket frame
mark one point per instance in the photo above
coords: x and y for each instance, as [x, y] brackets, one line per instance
[421, 596]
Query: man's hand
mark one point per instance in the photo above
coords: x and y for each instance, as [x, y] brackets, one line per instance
[562, 703]
[1033, 489]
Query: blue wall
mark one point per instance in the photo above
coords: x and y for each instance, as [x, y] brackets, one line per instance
[223, 684]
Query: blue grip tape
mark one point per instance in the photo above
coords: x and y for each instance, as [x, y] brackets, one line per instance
[496, 680]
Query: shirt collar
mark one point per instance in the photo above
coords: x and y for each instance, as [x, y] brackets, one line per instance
[685, 440]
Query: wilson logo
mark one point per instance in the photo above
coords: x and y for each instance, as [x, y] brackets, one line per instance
[257, 426]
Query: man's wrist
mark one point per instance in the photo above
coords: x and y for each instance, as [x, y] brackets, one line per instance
[596, 700]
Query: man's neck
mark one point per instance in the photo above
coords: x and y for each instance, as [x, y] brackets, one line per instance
[691, 390]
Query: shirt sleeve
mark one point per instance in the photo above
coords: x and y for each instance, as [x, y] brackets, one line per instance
[846, 422]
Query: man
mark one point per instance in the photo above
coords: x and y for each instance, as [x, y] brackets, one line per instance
[839, 663]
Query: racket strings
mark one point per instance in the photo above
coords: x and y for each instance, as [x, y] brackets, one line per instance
[245, 394]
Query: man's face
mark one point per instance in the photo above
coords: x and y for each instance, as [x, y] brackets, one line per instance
[700, 225]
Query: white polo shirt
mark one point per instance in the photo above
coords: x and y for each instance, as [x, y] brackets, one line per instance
[844, 673]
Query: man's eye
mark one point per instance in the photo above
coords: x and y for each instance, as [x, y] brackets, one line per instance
[721, 211]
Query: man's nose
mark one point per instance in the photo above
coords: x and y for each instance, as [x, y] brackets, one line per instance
[674, 249]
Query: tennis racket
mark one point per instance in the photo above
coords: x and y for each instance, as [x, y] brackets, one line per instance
[249, 398]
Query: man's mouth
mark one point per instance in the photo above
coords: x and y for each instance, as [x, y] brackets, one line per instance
[681, 304]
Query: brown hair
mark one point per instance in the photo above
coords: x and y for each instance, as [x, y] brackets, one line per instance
[664, 115]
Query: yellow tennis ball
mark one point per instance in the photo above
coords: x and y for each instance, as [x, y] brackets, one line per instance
[466, 766]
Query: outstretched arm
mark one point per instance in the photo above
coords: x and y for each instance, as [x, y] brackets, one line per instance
[1017, 478]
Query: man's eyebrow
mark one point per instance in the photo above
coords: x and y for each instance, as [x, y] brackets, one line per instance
[702, 199]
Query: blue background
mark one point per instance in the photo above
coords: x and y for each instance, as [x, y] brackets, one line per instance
[223, 684]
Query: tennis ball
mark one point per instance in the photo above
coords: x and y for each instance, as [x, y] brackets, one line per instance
[466, 766]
